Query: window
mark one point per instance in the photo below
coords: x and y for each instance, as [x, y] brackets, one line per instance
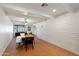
[19, 28]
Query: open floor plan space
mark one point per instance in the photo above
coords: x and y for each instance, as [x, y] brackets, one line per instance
[42, 48]
[39, 29]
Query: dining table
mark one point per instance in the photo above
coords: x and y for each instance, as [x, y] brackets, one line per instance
[19, 38]
[29, 35]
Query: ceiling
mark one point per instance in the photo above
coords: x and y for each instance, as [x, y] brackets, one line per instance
[34, 12]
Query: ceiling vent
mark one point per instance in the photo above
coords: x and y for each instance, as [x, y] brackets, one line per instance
[44, 5]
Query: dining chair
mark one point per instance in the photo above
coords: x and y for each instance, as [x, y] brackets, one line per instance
[27, 41]
[17, 34]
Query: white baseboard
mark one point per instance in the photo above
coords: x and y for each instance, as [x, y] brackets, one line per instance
[73, 51]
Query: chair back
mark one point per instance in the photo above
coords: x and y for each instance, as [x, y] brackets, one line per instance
[17, 34]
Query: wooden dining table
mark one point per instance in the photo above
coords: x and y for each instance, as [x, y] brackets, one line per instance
[19, 38]
[29, 35]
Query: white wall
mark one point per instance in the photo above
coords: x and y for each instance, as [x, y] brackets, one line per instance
[6, 30]
[62, 31]
[34, 29]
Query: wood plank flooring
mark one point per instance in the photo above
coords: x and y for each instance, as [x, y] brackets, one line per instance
[42, 48]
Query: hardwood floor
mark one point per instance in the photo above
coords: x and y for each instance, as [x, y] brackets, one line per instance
[41, 48]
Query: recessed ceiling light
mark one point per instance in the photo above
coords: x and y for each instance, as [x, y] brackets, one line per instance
[54, 10]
